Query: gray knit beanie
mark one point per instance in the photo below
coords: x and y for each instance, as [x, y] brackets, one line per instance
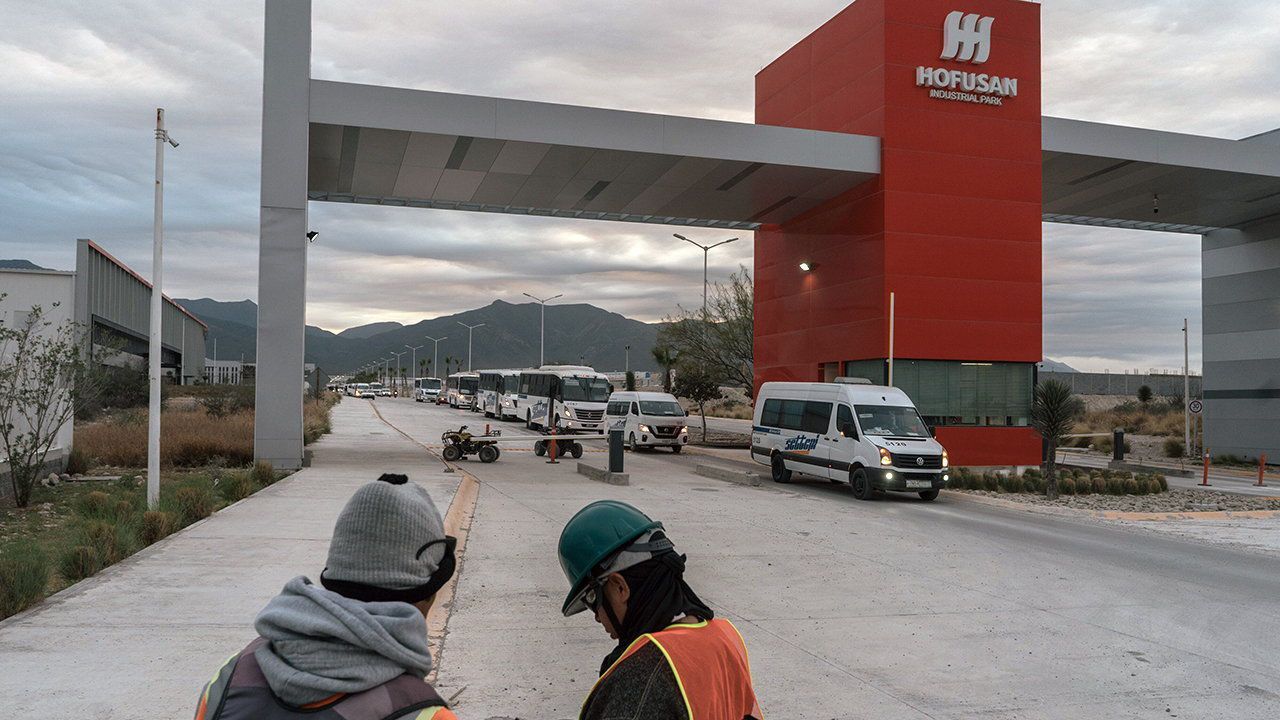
[389, 544]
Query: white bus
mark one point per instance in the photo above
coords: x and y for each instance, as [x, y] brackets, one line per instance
[460, 389]
[569, 398]
[497, 387]
[426, 389]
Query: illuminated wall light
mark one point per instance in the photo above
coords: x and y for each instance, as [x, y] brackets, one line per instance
[806, 266]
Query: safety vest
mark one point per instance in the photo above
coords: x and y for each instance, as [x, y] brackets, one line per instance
[709, 661]
[239, 691]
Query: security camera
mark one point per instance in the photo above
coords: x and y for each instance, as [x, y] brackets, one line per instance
[172, 141]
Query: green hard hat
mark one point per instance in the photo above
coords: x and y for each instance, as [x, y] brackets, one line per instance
[593, 536]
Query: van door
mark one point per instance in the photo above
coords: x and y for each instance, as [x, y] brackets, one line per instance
[803, 424]
[843, 442]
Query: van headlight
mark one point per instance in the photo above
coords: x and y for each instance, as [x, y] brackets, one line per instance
[645, 428]
[946, 461]
[684, 429]
[885, 457]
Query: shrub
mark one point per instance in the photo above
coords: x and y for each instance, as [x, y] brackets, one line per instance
[78, 562]
[991, 481]
[1084, 485]
[1164, 484]
[111, 542]
[193, 503]
[236, 487]
[1032, 483]
[77, 462]
[95, 505]
[1099, 486]
[1115, 486]
[1032, 473]
[1015, 484]
[1174, 448]
[24, 575]
[1067, 486]
[1130, 486]
[263, 473]
[157, 525]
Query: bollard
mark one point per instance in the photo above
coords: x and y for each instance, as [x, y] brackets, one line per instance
[1262, 469]
[551, 448]
[1205, 481]
[615, 451]
[1117, 445]
[486, 429]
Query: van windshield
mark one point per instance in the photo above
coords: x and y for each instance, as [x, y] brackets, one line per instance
[662, 408]
[885, 420]
[584, 389]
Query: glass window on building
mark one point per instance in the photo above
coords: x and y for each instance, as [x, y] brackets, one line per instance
[961, 393]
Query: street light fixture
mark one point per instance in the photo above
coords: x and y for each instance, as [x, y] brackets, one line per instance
[469, 329]
[394, 378]
[542, 328]
[806, 266]
[157, 311]
[706, 249]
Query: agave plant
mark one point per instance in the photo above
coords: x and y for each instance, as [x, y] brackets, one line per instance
[1054, 412]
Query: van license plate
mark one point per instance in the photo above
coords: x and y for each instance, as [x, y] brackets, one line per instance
[920, 484]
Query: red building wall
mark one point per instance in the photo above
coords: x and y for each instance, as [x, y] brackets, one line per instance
[951, 226]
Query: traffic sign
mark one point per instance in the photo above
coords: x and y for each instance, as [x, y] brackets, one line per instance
[1195, 407]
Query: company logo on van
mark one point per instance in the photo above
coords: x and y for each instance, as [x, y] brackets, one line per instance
[801, 444]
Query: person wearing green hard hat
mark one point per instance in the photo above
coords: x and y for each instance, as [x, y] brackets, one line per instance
[674, 660]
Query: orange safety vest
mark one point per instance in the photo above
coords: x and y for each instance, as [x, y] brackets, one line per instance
[710, 664]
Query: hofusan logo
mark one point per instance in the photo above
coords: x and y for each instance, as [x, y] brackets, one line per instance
[801, 443]
[966, 37]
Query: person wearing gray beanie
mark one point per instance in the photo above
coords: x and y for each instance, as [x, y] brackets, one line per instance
[356, 647]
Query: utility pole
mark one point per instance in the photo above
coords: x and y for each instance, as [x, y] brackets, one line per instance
[706, 249]
[157, 314]
[435, 356]
[542, 331]
[469, 329]
[1186, 389]
[395, 379]
[628, 349]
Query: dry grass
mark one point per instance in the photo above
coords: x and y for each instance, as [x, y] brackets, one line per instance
[188, 438]
[1155, 419]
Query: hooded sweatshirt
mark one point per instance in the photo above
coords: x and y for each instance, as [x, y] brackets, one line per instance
[321, 643]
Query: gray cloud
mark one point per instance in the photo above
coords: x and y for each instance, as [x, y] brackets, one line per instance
[80, 81]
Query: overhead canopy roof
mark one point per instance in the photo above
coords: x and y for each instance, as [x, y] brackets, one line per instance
[392, 146]
[1096, 174]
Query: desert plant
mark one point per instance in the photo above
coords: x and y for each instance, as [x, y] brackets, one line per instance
[123, 511]
[1099, 485]
[1015, 484]
[156, 525]
[1067, 486]
[1144, 394]
[192, 504]
[263, 473]
[1130, 486]
[991, 481]
[77, 462]
[1174, 448]
[1054, 410]
[1032, 483]
[112, 542]
[1115, 486]
[1163, 482]
[95, 505]
[236, 487]
[24, 574]
[78, 562]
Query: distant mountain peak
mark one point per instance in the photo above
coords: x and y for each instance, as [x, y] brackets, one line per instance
[19, 264]
[364, 332]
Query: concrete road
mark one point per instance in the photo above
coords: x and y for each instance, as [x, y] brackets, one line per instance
[888, 609]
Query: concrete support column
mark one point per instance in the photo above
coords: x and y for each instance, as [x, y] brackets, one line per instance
[282, 251]
[1241, 325]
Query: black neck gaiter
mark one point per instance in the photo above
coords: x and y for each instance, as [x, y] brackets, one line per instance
[659, 594]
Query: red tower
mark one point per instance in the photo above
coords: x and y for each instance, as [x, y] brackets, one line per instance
[951, 226]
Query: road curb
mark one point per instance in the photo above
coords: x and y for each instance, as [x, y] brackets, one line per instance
[741, 477]
[602, 475]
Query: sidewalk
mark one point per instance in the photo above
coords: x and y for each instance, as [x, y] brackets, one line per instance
[141, 638]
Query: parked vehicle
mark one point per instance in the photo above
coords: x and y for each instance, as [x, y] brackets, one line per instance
[426, 389]
[569, 398]
[459, 443]
[649, 419]
[495, 390]
[869, 436]
[363, 390]
[460, 389]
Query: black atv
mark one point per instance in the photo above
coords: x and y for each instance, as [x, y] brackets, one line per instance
[459, 443]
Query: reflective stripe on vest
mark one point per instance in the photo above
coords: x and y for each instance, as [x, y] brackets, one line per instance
[240, 692]
[710, 664]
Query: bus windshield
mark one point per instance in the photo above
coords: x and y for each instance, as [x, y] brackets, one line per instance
[661, 408]
[468, 385]
[885, 420]
[584, 389]
[431, 383]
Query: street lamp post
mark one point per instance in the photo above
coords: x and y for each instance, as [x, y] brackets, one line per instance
[413, 359]
[627, 348]
[469, 329]
[435, 356]
[706, 249]
[542, 327]
[395, 378]
[1186, 389]
[157, 312]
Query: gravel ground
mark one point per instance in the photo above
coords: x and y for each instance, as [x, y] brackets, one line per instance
[1176, 500]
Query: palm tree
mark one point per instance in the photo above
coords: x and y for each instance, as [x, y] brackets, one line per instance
[665, 356]
[1053, 414]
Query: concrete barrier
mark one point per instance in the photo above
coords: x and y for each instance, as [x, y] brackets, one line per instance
[602, 475]
[742, 477]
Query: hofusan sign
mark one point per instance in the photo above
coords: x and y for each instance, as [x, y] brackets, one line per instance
[966, 37]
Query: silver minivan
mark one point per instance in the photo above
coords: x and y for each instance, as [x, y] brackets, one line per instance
[648, 419]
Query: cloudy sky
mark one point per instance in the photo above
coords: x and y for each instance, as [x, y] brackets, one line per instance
[80, 80]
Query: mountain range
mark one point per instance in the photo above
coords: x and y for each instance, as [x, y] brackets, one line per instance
[577, 333]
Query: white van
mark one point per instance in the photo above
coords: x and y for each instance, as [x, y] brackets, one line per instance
[869, 436]
[361, 390]
[649, 419]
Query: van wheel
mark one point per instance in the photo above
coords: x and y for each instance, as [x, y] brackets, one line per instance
[929, 495]
[780, 472]
[676, 449]
[632, 444]
[861, 484]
